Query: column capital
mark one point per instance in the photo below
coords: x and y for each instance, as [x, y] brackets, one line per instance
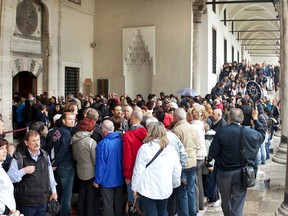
[199, 8]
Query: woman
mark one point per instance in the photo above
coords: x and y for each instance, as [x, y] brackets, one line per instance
[7, 201]
[83, 147]
[193, 117]
[154, 184]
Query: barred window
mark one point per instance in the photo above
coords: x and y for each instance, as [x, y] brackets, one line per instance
[214, 50]
[232, 53]
[71, 80]
[225, 51]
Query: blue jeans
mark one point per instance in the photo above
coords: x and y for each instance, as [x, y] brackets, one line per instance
[39, 210]
[65, 178]
[154, 207]
[187, 193]
[267, 146]
[261, 156]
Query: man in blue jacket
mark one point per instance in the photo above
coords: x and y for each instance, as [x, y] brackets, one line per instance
[108, 171]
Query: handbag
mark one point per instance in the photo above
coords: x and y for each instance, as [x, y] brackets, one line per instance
[132, 210]
[247, 172]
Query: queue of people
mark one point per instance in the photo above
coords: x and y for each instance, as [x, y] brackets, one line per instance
[156, 155]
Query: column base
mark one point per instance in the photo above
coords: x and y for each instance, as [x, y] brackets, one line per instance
[281, 153]
[282, 210]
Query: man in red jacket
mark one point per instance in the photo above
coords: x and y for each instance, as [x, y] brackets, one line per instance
[132, 141]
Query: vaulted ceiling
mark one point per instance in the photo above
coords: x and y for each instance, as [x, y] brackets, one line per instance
[254, 23]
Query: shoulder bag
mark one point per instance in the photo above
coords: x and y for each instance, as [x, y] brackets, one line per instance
[248, 173]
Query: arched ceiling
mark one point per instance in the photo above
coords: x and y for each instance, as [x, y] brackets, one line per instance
[255, 24]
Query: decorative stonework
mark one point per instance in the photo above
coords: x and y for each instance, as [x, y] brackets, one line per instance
[138, 53]
[26, 17]
[27, 64]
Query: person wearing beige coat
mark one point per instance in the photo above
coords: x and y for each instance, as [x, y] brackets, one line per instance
[190, 138]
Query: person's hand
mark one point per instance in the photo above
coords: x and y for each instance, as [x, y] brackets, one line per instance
[54, 168]
[53, 196]
[254, 113]
[127, 181]
[11, 150]
[95, 185]
[29, 169]
[184, 181]
[135, 195]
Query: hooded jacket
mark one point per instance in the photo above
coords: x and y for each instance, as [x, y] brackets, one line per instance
[108, 171]
[132, 141]
[84, 153]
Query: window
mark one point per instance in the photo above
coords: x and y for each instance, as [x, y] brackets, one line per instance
[214, 50]
[225, 17]
[238, 57]
[71, 80]
[103, 87]
[213, 6]
[75, 1]
[225, 51]
[232, 53]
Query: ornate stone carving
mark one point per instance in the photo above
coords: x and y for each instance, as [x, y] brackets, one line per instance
[26, 17]
[138, 53]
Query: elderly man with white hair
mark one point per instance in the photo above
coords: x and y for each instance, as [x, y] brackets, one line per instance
[218, 121]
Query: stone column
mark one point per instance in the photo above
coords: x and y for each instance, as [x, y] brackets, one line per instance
[283, 209]
[198, 9]
[281, 154]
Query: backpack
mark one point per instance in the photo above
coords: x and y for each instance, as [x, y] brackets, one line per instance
[19, 157]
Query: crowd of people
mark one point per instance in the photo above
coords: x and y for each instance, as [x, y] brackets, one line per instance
[119, 153]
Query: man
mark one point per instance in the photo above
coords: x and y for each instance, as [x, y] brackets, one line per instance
[218, 121]
[34, 179]
[127, 113]
[60, 150]
[117, 110]
[109, 174]
[225, 149]
[132, 141]
[190, 138]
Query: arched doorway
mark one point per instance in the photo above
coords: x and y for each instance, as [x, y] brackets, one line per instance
[24, 83]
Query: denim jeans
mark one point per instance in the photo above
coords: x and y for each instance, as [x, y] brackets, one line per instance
[154, 207]
[65, 177]
[39, 210]
[187, 193]
[261, 156]
[267, 146]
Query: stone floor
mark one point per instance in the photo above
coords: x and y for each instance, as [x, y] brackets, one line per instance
[260, 200]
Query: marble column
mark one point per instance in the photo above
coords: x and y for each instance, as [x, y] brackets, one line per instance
[281, 154]
[198, 9]
[283, 208]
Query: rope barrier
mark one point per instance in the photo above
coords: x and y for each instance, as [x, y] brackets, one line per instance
[17, 130]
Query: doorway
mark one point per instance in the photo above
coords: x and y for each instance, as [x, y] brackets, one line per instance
[24, 83]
